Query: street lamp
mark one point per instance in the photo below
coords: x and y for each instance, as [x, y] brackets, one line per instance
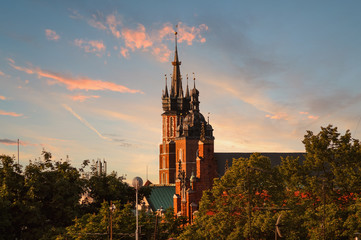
[137, 183]
[111, 208]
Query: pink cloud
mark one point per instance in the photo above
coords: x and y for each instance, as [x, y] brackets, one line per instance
[2, 98]
[190, 34]
[51, 35]
[140, 38]
[113, 24]
[124, 52]
[278, 116]
[12, 114]
[162, 53]
[82, 98]
[137, 38]
[91, 46]
[72, 83]
[2, 74]
[313, 117]
[304, 113]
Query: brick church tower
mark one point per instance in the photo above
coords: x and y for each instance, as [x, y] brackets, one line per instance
[187, 150]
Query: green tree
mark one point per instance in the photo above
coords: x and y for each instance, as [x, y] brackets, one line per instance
[39, 202]
[246, 196]
[112, 188]
[318, 196]
[324, 187]
[13, 215]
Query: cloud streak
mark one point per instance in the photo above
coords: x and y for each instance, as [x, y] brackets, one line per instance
[91, 46]
[6, 141]
[2, 98]
[51, 35]
[85, 122]
[82, 98]
[12, 114]
[73, 83]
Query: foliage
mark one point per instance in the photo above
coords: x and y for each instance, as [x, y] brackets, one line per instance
[224, 210]
[41, 201]
[112, 188]
[318, 197]
[97, 225]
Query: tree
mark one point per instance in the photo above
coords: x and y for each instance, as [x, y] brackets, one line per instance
[327, 184]
[241, 203]
[13, 211]
[318, 197]
[112, 188]
[39, 202]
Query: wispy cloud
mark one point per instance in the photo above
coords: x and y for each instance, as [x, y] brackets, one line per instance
[313, 117]
[124, 52]
[278, 116]
[93, 21]
[2, 74]
[85, 122]
[2, 98]
[140, 38]
[12, 114]
[51, 35]
[72, 83]
[6, 141]
[82, 98]
[91, 46]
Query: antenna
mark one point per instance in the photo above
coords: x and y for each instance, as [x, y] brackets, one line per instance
[18, 149]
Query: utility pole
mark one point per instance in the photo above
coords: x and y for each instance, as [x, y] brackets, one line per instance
[18, 149]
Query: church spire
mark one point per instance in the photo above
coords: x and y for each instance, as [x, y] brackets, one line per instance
[176, 88]
[187, 91]
[166, 87]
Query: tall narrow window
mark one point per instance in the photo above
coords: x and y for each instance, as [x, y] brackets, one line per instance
[180, 153]
[163, 178]
[164, 127]
[171, 127]
[163, 164]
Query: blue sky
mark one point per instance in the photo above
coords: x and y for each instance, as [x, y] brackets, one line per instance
[84, 78]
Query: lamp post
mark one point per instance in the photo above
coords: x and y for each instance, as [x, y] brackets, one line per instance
[111, 208]
[137, 183]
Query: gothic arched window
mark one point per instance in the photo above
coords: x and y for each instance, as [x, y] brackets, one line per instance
[163, 164]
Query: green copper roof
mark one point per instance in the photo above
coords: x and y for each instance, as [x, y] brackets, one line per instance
[161, 196]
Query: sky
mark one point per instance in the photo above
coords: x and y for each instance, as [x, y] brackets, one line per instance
[84, 79]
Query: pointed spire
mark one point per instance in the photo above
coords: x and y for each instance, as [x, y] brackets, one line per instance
[176, 88]
[187, 91]
[194, 79]
[166, 87]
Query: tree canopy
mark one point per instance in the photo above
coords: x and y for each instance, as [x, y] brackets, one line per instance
[318, 196]
[40, 201]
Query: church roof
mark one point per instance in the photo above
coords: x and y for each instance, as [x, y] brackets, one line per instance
[161, 196]
[275, 158]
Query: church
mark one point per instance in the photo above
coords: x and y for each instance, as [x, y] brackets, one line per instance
[187, 161]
